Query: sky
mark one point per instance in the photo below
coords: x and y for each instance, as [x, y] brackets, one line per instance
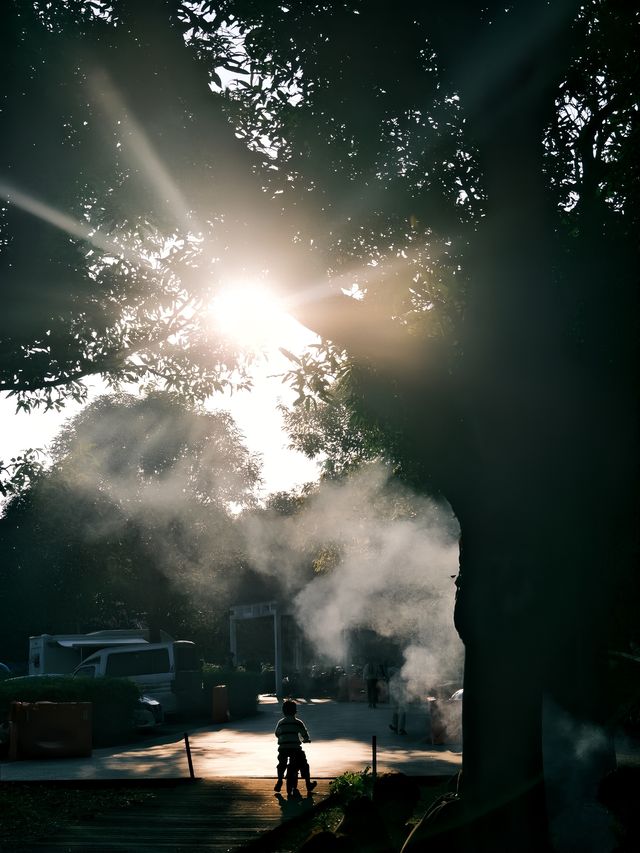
[255, 413]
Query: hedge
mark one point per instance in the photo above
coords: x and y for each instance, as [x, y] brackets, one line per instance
[243, 688]
[114, 700]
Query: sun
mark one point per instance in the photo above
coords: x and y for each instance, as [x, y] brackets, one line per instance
[253, 317]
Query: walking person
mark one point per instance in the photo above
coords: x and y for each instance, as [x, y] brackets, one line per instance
[398, 697]
[370, 676]
[291, 732]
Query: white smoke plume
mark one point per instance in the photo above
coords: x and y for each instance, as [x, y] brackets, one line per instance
[385, 558]
[398, 553]
[425, 666]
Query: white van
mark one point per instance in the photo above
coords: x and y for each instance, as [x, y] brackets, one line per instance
[168, 672]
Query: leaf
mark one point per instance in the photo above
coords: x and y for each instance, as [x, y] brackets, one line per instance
[287, 354]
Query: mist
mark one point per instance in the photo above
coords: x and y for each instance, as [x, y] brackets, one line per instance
[177, 475]
[397, 556]
[362, 553]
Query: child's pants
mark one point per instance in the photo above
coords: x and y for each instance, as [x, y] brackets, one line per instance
[297, 762]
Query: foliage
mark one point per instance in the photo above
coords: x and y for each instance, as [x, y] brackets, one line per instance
[351, 785]
[384, 153]
[339, 431]
[66, 688]
[592, 139]
[289, 503]
[121, 284]
[160, 438]
[153, 253]
[243, 687]
[113, 700]
[587, 172]
[20, 472]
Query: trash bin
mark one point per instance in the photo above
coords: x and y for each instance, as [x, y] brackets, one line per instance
[49, 730]
[220, 704]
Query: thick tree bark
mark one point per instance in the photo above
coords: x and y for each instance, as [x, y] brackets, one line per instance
[533, 598]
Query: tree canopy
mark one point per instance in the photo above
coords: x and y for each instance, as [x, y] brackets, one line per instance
[103, 171]
[134, 524]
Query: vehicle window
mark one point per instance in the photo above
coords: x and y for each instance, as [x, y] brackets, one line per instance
[144, 662]
[88, 671]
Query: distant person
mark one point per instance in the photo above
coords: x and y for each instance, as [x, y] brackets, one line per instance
[398, 696]
[370, 676]
[291, 731]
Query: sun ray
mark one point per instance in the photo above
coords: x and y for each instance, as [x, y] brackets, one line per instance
[47, 213]
[140, 149]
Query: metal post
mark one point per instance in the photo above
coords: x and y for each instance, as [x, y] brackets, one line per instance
[188, 748]
[277, 646]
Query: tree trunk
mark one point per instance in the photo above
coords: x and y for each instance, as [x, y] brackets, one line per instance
[532, 608]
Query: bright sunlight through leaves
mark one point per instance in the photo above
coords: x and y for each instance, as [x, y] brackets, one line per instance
[250, 315]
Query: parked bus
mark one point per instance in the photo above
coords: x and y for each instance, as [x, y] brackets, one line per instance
[58, 654]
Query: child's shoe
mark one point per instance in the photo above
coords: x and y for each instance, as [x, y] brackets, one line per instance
[311, 786]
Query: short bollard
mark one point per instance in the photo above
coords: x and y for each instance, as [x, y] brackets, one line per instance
[220, 704]
[188, 748]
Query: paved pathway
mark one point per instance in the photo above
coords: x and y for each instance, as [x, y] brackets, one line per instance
[233, 800]
[340, 734]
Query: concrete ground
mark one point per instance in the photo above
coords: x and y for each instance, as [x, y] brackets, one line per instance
[341, 739]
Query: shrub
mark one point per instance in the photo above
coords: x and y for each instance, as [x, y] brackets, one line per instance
[114, 700]
[351, 785]
[243, 688]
